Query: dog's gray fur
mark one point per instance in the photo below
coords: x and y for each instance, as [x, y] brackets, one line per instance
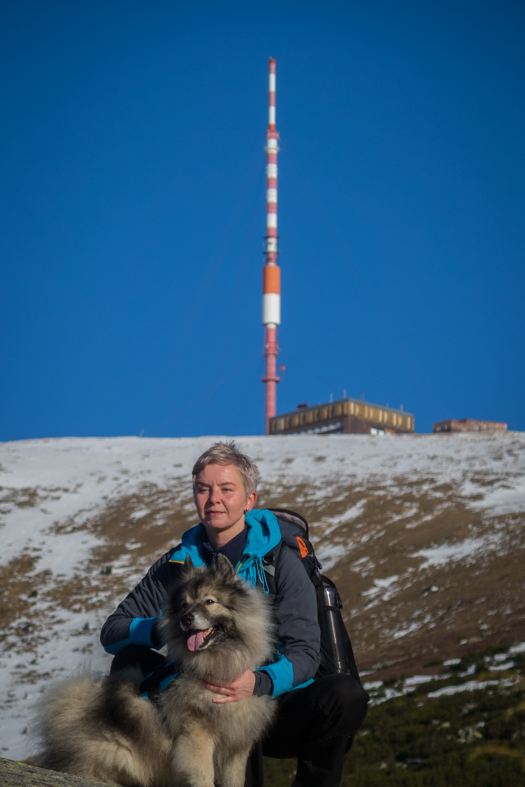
[103, 728]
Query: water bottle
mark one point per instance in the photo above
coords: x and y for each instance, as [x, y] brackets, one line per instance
[334, 658]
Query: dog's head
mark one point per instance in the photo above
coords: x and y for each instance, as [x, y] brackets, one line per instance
[214, 616]
[206, 602]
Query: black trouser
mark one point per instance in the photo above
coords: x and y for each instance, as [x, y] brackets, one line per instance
[315, 724]
[137, 656]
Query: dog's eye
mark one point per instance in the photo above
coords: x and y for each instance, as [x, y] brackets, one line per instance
[210, 601]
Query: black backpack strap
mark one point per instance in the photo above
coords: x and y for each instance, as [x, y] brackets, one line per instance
[158, 680]
[270, 563]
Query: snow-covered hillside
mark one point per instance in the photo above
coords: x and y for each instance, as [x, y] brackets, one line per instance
[423, 534]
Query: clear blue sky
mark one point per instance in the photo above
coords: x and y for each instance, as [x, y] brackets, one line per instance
[132, 211]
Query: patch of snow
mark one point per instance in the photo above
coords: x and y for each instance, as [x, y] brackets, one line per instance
[334, 522]
[416, 680]
[64, 553]
[385, 583]
[503, 498]
[372, 685]
[470, 685]
[61, 656]
[380, 694]
[505, 665]
[139, 514]
[330, 554]
[404, 632]
[438, 556]
[382, 585]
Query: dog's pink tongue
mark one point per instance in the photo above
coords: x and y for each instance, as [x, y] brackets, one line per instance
[195, 639]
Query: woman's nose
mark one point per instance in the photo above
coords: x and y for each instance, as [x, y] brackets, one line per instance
[214, 496]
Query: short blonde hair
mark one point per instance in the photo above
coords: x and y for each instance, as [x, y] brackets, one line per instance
[228, 454]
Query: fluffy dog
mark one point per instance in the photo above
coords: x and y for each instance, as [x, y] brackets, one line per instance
[217, 627]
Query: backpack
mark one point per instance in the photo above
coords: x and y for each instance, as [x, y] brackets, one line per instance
[337, 655]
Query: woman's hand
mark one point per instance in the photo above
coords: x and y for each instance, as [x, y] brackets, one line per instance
[239, 689]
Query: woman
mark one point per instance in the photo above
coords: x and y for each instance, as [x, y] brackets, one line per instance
[317, 718]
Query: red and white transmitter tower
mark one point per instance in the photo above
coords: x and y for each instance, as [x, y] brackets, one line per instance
[271, 271]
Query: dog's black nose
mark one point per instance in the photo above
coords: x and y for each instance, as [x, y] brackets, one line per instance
[188, 619]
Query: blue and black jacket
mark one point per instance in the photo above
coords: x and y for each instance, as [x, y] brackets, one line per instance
[298, 648]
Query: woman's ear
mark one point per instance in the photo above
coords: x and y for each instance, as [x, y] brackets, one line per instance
[250, 502]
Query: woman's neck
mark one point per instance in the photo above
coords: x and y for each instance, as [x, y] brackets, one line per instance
[219, 538]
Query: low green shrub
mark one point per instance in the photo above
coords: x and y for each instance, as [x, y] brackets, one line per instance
[467, 739]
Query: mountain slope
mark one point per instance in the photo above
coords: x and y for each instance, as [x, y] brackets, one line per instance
[422, 533]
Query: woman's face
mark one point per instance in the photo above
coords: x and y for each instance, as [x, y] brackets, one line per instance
[221, 500]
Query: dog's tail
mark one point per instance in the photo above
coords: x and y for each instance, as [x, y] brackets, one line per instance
[62, 718]
[100, 728]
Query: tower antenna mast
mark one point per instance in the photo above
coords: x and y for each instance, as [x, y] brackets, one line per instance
[271, 270]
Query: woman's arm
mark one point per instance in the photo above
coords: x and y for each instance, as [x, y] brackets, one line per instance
[299, 650]
[133, 622]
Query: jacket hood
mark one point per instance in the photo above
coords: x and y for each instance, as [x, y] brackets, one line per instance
[264, 534]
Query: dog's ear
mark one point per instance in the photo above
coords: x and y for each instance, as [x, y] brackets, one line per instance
[225, 568]
[187, 569]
